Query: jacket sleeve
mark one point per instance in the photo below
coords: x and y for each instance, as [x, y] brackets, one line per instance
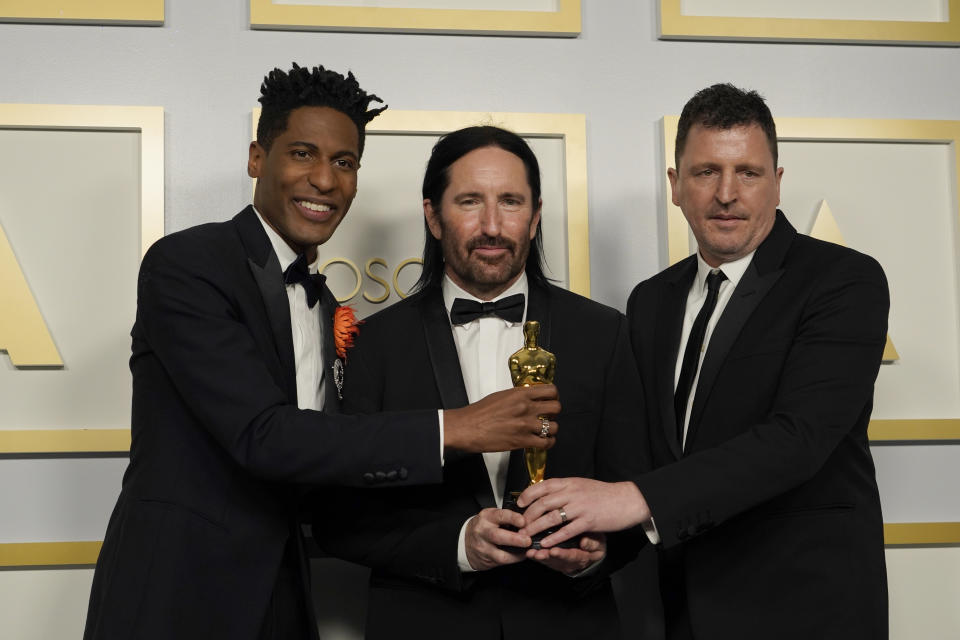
[824, 391]
[198, 324]
[408, 532]
[621, 453]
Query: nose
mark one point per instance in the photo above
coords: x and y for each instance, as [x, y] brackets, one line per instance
[727, 188]
[490, 221]
[322, 177]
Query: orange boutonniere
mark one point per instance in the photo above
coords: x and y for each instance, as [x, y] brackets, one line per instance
[345, 328]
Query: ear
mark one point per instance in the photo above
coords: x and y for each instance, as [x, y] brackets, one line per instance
[433, 219]
[672, 175]
[535, 219]
[779, 177]
[255, 159]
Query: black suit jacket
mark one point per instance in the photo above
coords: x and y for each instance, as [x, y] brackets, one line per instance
[406, 359]
[771, 515]
[195, 541]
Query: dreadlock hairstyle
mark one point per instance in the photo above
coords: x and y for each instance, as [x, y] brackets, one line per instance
[284, 91]
[436, 179]
[724, 106]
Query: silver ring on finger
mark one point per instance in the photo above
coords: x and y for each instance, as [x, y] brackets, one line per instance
[544, 427]
[563, 517]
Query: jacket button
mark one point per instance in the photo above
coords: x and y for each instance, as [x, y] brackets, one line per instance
[392, 474]
[403, 473]
[381, 476]
[368, 478]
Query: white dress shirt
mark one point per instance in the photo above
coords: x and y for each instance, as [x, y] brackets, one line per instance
[484, 346]
[308, 356]
[695, 298]
[304, 327]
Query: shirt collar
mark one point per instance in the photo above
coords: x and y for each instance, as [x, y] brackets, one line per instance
[285, 254]
[732, 270]
[451, 292]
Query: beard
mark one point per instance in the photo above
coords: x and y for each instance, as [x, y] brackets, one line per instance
[483, 273]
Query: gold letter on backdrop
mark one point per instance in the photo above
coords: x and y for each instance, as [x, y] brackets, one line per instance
[825, 227]
[23, 333]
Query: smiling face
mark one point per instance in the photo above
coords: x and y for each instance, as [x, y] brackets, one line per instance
[485, 221]
[728, 188]
[308, 178]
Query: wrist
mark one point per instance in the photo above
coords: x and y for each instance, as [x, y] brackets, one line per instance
[635, 505]
[451, 430]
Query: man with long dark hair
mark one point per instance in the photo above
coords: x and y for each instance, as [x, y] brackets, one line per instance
[447, 560]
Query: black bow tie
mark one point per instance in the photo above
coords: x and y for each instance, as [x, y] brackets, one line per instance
[312, 283]
[509, 308]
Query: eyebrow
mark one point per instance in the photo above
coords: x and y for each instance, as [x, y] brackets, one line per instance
[741, 166]
[478, 194]
[314, 148]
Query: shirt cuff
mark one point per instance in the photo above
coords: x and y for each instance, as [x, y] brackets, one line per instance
[440, 417]
[462, 561]
[650, 528]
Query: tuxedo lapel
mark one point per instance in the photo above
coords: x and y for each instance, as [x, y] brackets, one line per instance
[265, 267]
[762, 273]
[453, 393]
[443, 351]
[669, 327]
[539, 309]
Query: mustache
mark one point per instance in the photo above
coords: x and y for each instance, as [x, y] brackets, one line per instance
[726, 211]
[490, 241]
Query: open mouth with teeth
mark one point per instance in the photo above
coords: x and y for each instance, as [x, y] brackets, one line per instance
[315, 210]
[314, 207]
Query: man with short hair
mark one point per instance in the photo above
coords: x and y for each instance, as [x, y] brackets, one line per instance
[233, 359]
[758, 357]
[447, 561]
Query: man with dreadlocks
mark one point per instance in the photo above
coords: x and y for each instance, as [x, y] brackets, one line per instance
[234, 399]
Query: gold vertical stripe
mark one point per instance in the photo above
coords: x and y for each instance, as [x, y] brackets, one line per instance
[678, 240]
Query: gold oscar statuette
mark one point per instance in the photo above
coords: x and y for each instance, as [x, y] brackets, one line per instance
[528, 366]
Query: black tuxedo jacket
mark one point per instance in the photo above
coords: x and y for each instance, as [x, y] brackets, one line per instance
[406, 359]
[770, 518]
[207, 506]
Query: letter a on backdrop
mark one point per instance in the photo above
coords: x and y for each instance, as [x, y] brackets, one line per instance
[825, 227]
[23, 333]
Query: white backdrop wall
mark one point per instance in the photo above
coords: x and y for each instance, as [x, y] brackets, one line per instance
[204, 67]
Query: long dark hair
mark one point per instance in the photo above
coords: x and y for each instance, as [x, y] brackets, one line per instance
[448, 150]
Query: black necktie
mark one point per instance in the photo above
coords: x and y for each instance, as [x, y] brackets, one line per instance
[691, 355]
[312, 283]
[509, 308]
